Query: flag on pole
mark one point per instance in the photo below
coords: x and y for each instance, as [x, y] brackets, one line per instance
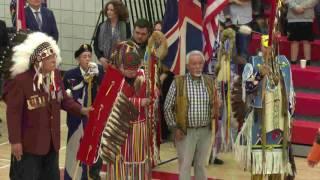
[182, 26]
[210, 25]
[271, 19]
[20, 15]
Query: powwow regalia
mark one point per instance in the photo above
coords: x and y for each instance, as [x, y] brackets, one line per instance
[34, 94]
[127, 144]
[225, 76]
[101, 123]
[133, 161]
[156, 51]
[34, 46]
[263, 144]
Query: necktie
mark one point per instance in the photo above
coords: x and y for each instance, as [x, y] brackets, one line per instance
[38, 19]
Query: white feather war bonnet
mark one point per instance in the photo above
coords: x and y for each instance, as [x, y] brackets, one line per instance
[30, 54]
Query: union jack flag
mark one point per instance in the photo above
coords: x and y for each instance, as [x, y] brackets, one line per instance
[183, 29]
[183, 25]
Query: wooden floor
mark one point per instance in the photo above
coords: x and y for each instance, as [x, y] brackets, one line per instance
[229, 171]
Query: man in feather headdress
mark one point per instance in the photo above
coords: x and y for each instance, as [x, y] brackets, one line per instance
[34, 96]
[263, 144]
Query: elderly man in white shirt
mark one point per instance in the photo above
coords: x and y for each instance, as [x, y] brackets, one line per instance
[191, 110]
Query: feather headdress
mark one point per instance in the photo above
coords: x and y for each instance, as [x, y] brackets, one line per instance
[22, 53]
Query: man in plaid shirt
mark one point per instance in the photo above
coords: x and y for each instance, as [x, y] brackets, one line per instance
[190, 111]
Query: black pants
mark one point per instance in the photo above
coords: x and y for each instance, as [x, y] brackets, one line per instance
[35, 167]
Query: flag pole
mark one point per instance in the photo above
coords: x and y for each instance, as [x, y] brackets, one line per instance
[17, 16]
[20, 15]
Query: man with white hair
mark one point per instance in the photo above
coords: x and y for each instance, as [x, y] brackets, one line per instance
[191, 108]
[34, 95]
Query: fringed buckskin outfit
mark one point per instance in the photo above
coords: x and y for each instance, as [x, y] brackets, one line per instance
[263, 144]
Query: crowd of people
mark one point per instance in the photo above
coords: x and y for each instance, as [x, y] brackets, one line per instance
[195, 108]
[299, 21]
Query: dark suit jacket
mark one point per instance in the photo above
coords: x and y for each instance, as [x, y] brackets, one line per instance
[49, 25]
[35, 128]
[72, 78]
[3, 35]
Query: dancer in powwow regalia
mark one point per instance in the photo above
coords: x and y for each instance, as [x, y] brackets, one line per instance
[139, 152]
[263, 144]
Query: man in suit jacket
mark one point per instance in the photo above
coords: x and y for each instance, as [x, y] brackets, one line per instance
[83, 83]
[34, 97]
[40, 18]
